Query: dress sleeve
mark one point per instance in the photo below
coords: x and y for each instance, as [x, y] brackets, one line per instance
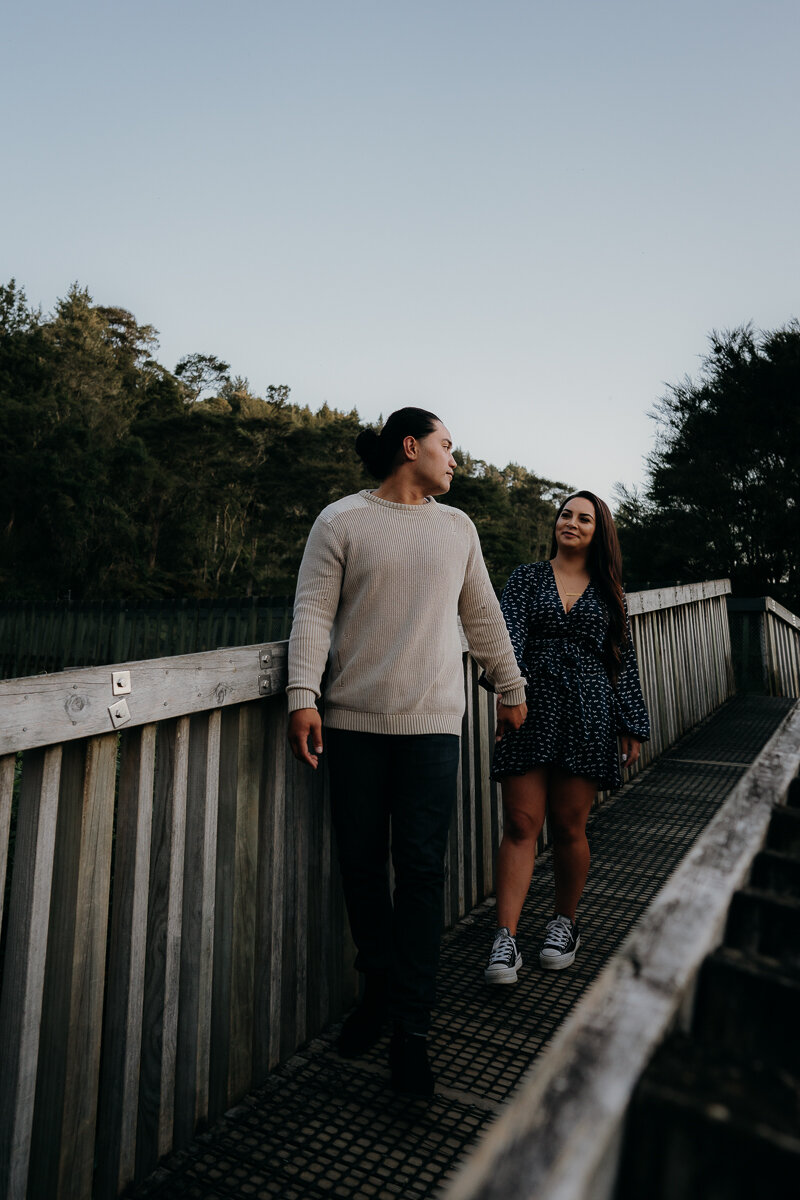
[632, 715]
[516, 605]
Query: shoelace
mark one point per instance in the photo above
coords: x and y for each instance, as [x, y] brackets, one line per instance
[503, 948]
[558, 934]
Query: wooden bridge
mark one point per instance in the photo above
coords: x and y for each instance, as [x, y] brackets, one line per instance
[172, 924]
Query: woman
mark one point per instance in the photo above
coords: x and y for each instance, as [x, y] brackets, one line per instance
[570, 632]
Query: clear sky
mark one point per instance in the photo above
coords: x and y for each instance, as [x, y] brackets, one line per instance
[525, 216]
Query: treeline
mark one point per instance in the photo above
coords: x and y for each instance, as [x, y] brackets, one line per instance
[722, 497]
[123, 479]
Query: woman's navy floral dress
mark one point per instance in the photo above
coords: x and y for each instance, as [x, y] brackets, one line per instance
[574, 714]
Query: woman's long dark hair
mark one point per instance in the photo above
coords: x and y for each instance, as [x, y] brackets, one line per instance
[380, 452]
[604, 561]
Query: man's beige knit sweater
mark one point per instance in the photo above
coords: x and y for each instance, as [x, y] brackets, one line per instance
[378, 595]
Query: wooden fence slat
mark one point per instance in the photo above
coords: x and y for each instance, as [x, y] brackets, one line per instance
[245, 876]
[283, 767]
[55, 1017]
[8, 765]
[300, 917]
[179, 783]
[197, 943]
[485, 850]
[323, 885]
[223, 912]
[269, 893]
[23, 979]
[82, 1075]
[122, 1034]
[162, 971]
[295, 783]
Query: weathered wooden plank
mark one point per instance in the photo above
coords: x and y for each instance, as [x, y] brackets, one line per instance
[122, 1033]
[162, 967]
[197, 943]
[245, 872]
[55, 1014]
[7, 768]
[23, 976]
[44, 709]
[268, 892]
[286, 914]
[316, 930]
[671, 597]
[172, 949]
[485, 854]
[223, 912]
[467, 796]
[327, 1008]
[83, 1043]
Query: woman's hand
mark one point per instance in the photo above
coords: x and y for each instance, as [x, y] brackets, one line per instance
[629, 748]
[509, 717]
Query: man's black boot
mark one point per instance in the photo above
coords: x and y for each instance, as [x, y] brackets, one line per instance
[408, 1061]
[364, 1026]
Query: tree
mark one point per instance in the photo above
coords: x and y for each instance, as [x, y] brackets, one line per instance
[723, 490]
[201, 373]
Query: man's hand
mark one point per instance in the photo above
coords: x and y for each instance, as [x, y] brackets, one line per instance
[509, 717]
[629, 750]
[305, 731]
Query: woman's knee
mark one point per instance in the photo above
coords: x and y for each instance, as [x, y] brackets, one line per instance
[520, 826]
[567, 831]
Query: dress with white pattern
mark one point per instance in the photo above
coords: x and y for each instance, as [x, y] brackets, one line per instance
[574, 713]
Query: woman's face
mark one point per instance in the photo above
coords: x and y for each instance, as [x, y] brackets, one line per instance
[576, 524]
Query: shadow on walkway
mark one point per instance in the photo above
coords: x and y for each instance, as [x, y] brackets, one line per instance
[324, 1127]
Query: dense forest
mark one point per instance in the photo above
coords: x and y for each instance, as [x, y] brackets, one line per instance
[722, 496]
[123, 479]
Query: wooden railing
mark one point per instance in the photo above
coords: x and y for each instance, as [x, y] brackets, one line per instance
[766, 646]
[40, 637]
[172, 922]
[684, 651]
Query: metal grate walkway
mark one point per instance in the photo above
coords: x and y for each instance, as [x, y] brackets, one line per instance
[323, 1127]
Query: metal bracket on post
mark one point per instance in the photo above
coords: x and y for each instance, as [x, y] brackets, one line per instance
[120, 683]
[119, 713]
[266, 683]
[266, 678]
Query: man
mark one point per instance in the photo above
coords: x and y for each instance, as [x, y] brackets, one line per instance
[384, 577]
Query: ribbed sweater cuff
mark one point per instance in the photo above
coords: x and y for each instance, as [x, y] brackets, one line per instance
[515, 695]
[301, 698]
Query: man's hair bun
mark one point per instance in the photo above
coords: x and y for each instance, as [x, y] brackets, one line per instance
[379, 451]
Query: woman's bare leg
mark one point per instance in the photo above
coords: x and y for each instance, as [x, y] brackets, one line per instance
[570, 798]
[524, 803]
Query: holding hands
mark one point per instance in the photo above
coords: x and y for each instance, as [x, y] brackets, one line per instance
[509, 718]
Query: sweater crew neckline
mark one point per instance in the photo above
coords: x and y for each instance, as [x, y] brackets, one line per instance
[369, 495]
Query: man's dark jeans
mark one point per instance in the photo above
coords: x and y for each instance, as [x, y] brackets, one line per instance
[410, 781]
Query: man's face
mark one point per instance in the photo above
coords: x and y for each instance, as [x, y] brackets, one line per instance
[435, 463]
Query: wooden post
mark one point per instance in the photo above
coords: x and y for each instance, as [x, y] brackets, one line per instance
[23, 981]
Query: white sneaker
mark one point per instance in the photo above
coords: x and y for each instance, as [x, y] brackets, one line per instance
[560, 943]
[504, 959]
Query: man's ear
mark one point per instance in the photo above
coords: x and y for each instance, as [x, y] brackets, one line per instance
[410, 447]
